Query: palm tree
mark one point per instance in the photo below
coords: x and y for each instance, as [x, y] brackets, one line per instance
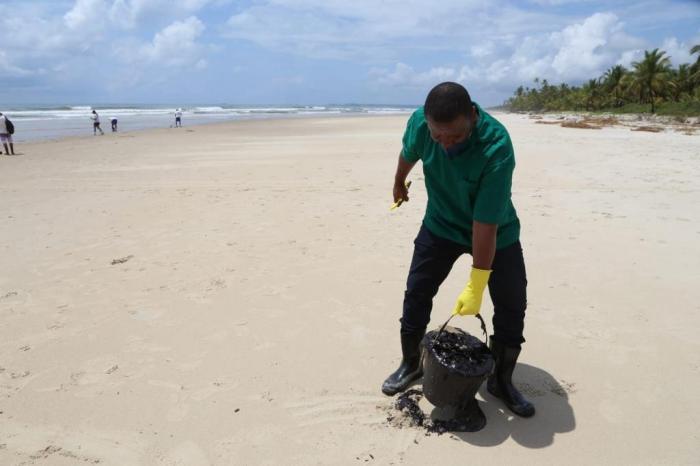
[632, 89]
[614, 83]
[651, 74]
[680, 82]
[591, 91]
[695, 68]
[694, 50]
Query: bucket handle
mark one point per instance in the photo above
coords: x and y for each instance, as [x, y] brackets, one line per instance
[478, 316]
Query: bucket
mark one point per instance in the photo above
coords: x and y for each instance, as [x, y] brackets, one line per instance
[454, 367]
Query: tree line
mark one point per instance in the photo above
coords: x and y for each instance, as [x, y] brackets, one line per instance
[652, 84]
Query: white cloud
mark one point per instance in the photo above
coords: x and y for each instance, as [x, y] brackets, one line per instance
[678, 52]
[175, 45]
[8, 70]
[630, 56]
[575, 53]
[483, 49]
[363, 29]
[96, 14]
[405, 76]
[586, 47]
[85, 36]
[520, 44]
[86, 13]
[128, 13]
[91, 46]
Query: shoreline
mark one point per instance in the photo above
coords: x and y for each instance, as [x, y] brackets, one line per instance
[204, 124]
[58, 129]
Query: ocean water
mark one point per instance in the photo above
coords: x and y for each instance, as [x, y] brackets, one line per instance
[35, 123]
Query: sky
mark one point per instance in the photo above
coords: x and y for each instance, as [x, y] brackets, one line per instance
[315, 52]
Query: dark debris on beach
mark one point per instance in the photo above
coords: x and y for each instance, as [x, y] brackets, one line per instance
[121, 260]
[407, 403]
[460, 351]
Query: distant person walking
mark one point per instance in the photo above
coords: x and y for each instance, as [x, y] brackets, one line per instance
[113, 120]
[7, 129]
[178, 118]
[96, 124]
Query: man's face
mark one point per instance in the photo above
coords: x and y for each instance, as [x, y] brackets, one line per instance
[453, 132]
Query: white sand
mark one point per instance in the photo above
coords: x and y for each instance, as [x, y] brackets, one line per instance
[257, 314]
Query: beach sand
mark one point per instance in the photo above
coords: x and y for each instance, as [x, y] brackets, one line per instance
[230, 294]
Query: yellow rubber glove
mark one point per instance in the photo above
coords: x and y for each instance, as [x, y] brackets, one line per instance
[469, 300]
[398, 203]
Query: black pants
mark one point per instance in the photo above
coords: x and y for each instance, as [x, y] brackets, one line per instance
[433, 258]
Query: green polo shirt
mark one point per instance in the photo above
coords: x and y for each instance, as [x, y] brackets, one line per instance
[472, 185]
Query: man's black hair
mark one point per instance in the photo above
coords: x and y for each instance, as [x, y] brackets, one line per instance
[447, 101]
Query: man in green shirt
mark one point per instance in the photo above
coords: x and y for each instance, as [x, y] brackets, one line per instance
[468, 165]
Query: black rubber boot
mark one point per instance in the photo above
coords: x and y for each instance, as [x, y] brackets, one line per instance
[500, 384]
[410, 368]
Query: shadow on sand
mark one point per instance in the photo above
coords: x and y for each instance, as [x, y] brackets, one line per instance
[554, 415]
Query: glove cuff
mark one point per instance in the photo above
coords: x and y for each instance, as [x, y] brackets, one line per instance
[480, 278]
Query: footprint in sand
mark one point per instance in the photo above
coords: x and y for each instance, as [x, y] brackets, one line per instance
[15, 297]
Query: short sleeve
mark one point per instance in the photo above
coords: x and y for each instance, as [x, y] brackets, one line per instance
[494, 193]
[413, 138]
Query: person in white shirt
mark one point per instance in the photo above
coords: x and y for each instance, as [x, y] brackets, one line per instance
[178, 117]
[96, 124]
[5, 136]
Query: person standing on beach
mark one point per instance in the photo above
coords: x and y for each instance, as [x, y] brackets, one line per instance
[6, 130]
[178, 117]
[113, 120]
[468, 164]
[96, 124]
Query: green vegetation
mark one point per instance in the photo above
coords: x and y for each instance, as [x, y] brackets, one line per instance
[652, 85]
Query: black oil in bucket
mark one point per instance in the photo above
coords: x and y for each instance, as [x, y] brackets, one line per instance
[455, 364]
